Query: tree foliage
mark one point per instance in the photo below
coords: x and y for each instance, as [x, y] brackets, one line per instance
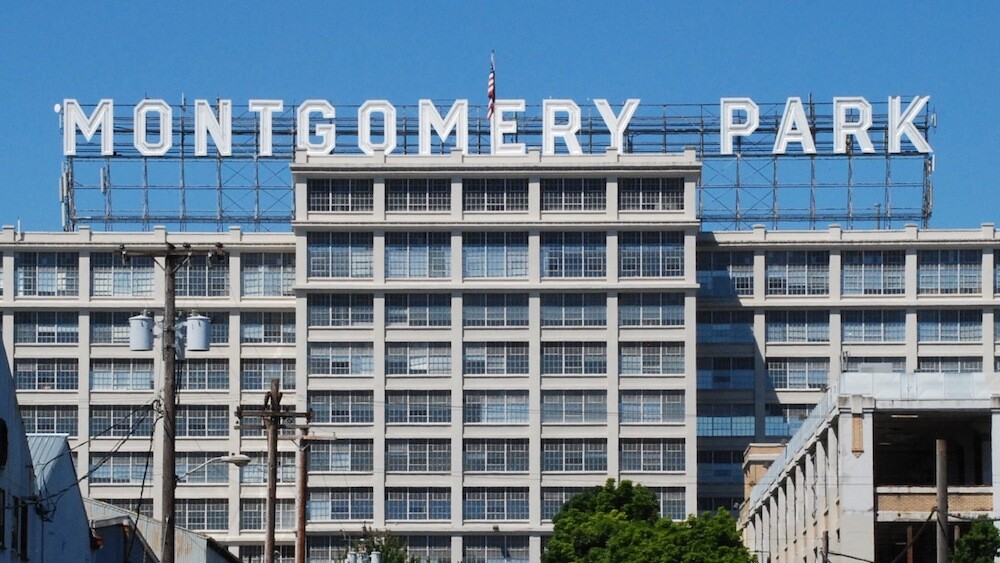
[621, 522]
[392, 547]
[980, 545]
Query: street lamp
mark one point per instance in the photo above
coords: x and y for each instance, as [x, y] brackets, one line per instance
[239, 460]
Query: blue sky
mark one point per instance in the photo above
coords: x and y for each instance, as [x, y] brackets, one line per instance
[660, 52]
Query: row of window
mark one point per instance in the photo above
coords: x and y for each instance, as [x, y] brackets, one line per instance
[857, 326]
[496, 358]
[401, 504]
[495, 254]
[136, 375]
[863, 272]
[495, 194]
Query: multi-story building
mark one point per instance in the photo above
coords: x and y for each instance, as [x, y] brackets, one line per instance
[858, 480]
[478, 337]
[779, 311]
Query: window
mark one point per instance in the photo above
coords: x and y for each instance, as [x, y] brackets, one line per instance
[671, 501]
[798, 373]
[855, 363]
[255, 553]
[46, 327]
[417, 309]
[340, 456]
[574, 194]
[120, 468]
[656, 254]
[495, 194]
[46, 374]
[417, 407]
[50, 419]
[218, 322]
[875, 325]
[949, 271]
[428, 549]
[798, 326]
[495, 503]
[553, 499]
[339, 255]
[267, 328]
[651, 309]
[572, 358]
[725, 274]
[651, 358]
[495, 309]
[782, 421]
[19, 530]
[873, 272]
[574, 455]
[201, 374]
[797, 272]
[950, 364]
[203, 514]
[212, 473]
[418, 194]
[417, 503]
[201, 276]
[255, 472]
[328, 547]
[112, 276]
[727, 503]
[495, 455]
[253, 515]
[122, 375]
[574, 407]
[651, 407]
[341, 309]
[950, 326]
[418, 358]
[354, 503]
[267, 274]
[720, 466]
[256, 374]
[650, 194]
[203, 421]
[417, 255]
[416, 455]
[495, 358]
[143, 506]
[574, 309]
[726, 373]
[342, 407]
[110, 327]
[48, 274]
[574, 255]
[116, 421]
[496, 407]
[495, 255]
[340, 195]
[725, 419]
[651, 454]
[724, 326]
[492, 549]
[348, 358]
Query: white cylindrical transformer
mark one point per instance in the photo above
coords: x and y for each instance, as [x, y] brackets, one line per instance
[199, 328]
[140, 333]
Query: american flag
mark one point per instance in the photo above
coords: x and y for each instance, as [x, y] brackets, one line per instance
[491, 87]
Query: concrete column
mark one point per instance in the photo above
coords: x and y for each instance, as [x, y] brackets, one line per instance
[378, 396]
[857, 498]
[456, 428]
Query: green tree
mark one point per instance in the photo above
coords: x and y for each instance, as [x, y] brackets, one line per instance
[621, 522]
[392, 547]
[980, 545]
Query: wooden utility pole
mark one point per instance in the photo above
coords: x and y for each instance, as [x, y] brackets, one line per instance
[942, 501]
[273, 419]
[301, 492]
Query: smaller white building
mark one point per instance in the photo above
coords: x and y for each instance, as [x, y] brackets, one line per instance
[857, 481]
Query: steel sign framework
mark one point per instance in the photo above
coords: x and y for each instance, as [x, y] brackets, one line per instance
[128, 191]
